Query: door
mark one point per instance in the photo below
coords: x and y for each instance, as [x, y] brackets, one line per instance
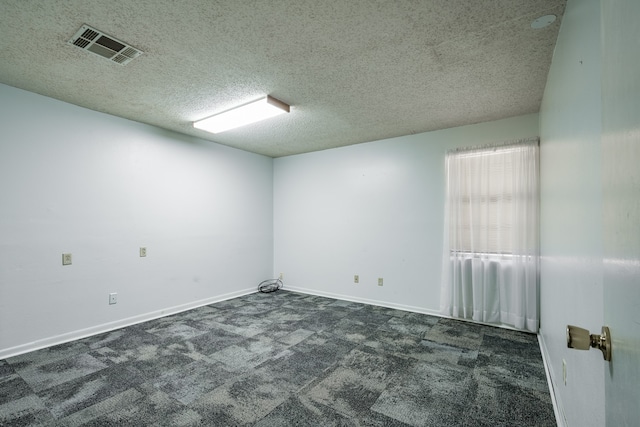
[621, 206]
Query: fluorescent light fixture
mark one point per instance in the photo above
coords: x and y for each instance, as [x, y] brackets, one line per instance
[251, 112]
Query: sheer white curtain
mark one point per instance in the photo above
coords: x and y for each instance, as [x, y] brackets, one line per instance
[491, 244]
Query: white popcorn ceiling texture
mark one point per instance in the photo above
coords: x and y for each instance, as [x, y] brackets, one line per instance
[353, 71]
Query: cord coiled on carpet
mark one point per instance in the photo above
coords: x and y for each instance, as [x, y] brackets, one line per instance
[270, 285]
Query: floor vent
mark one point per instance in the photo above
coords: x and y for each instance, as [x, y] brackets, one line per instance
[97, 42]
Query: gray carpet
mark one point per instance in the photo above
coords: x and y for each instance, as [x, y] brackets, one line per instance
[283, 359]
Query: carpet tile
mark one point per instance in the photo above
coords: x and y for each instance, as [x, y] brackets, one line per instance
[283, 359]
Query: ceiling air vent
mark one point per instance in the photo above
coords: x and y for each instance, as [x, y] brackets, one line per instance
[97, 42]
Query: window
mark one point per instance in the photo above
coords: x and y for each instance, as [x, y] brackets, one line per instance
[483, 217]
[490, 256]
[484, 186]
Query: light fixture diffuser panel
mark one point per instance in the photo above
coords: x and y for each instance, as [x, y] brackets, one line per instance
[246, 114]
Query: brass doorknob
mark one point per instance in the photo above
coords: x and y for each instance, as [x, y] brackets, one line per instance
[580, 339]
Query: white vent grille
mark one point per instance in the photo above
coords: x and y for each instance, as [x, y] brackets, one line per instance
[99, 43]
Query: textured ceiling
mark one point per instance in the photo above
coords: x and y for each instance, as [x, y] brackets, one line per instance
[353, 71]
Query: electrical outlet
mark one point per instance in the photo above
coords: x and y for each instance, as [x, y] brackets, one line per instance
[66, 259]
[356, 278]
[143, 252]
[113, 298]
[379, 281]
[281, 277]
[564, 371]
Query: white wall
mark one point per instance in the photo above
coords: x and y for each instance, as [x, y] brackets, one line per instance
[373, 209]
[100, 187]
[571, 212]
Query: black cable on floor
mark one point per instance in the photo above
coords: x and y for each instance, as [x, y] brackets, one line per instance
[270, 285]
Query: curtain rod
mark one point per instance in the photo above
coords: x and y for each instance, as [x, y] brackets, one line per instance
[494, 146]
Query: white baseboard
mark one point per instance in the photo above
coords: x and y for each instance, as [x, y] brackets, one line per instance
[364, 301]
[558, 409]
[117, 324]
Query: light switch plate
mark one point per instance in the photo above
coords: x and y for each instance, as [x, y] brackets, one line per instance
[66, 259]
[143, 252]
